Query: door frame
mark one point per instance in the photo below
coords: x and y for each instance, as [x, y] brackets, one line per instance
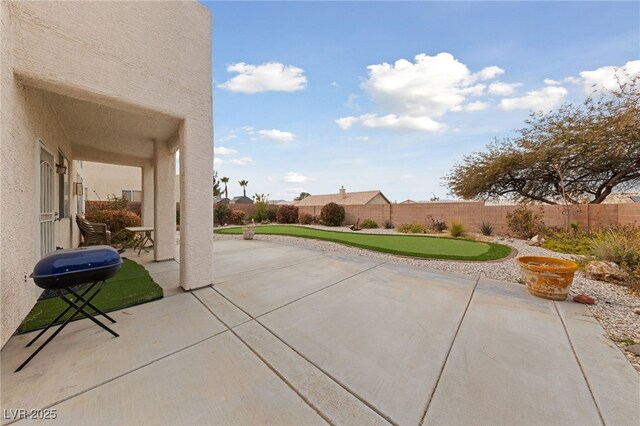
[38, 243]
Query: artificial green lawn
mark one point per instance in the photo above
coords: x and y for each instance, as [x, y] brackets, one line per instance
[404, 245]
[132, 285]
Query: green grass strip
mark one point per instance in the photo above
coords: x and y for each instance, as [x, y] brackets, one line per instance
[131, 286]
[404, 245]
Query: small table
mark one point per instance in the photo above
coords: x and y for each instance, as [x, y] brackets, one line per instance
[143, 236]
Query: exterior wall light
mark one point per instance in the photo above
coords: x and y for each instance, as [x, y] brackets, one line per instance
[61, 169]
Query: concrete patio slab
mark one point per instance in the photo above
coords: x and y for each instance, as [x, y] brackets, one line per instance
[325, 395]
[216, 381]
[614, 383]
[169, 281]
[83, 355]
[229, 314]
[261, 293]
[383, 334]
[253, 257]
[511, 364]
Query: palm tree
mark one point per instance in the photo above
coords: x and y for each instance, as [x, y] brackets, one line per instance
[225, 180]
[243, 183]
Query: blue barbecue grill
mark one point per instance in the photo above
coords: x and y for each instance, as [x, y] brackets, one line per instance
[62, 270]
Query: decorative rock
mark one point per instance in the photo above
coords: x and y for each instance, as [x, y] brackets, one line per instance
[634, 349]
[583, 298]
[636, 311]
[605, 271]
[536, 240]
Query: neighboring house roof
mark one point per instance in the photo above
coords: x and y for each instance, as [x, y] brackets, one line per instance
[349, 199]
[241, 200]
[622, 197]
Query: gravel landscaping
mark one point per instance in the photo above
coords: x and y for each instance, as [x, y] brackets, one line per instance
[617, 308]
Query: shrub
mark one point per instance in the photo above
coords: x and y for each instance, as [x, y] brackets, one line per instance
[486, 228]
[412, 228]
[317, 220]
[272, 213]
[236, 217]
[524, 223]
[388, 224]
[116, 221]
[457, 229]
[568, 242]
[287, 214]
[369, 224]
[574, 226]
[332, 214]
[305, 219]
[221, 214]
[437, 225]
[262, 211]
[620, 245]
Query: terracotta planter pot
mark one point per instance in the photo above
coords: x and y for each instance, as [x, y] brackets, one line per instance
[547, 277]
[248, 233]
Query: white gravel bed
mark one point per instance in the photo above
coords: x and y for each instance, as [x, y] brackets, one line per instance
[615, 305]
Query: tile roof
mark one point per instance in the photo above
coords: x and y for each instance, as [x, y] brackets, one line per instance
[350, 199]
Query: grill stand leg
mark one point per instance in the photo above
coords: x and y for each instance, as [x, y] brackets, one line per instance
[79, 309]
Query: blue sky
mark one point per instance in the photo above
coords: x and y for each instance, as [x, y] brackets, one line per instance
[309, 96]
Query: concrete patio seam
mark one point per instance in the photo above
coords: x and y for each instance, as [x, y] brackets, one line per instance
[575, 355]
[127, 372]
[323, 371]
[318, 291]
[453, 342]
[265, 362]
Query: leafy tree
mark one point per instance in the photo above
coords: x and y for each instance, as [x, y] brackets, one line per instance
[571, 155]
[225, 180]
[243, 183]
[216, 184]
[301, 196]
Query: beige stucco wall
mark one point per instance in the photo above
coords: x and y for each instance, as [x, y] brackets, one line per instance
[103, 180]
[148, 59]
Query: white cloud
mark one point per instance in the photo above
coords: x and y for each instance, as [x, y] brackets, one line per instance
[216, 161]
[537, 100]
[293, 177]
[412, 95]
[269, 77]
[610, 77]
[277, 135]
[244, 161]
[221, 150]
[503, 89]
[360, 138]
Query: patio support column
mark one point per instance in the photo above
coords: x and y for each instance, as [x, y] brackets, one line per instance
[147, 195]
[164, 202]
[196, 203]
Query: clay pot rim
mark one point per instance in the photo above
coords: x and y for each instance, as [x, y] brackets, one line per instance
[551, 264]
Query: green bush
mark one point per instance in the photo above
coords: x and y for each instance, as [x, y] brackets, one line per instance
[287, 214]
[620, 245]
[221, 214]
[305, 219]
[369, 224]
[116, 221]
[486, 228]
[272, 213]
[457, 229]
[236, 217]
[388, 224]
[437, 225]
[568, 242]
[412, 228]
[524, 223]
[332, 214]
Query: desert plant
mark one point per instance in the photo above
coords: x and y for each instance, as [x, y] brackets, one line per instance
[305, 219]
[524, 223]
[437, 225]
[236, 217]
[619, 245]
[221, 214]
[287, 214]
[486, 228]
[332, 214]
[457, 229]
[262, 208]
[574, 226]
[116, 221]
[388, 224]
[412, 228]
[369, 224]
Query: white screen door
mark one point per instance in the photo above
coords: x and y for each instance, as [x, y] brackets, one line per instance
[47, 203]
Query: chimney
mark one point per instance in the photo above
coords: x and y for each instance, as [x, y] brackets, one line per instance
[343, 192]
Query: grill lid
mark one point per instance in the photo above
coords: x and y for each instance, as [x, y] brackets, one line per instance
[81, 259]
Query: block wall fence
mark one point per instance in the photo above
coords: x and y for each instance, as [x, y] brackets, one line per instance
[471, 214]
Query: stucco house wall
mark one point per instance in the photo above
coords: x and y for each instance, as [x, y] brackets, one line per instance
[118, 82]
[104, 180]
